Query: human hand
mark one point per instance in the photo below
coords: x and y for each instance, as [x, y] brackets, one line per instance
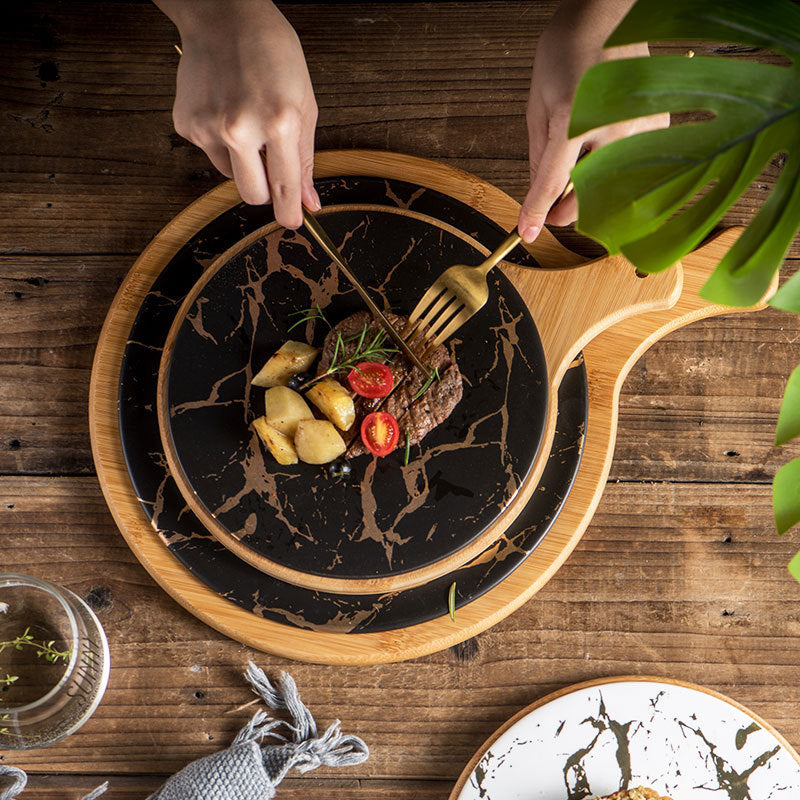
[572, 42]
[243, 88]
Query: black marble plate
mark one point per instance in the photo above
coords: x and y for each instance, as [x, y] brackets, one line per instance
[387, 518]
[215, 565]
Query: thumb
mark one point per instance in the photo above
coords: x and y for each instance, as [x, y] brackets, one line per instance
[548, 180]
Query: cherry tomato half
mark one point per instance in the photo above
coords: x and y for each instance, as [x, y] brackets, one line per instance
[380, 432]
[371, 379]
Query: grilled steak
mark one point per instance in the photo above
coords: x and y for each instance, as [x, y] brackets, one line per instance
[419, 416]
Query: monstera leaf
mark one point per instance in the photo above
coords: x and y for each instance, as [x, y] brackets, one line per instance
[655, 196]
[633, 194]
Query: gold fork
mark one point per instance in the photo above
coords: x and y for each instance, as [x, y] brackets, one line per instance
[455, 296]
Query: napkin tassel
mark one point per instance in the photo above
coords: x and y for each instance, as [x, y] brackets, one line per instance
[19, 780]
[306, 750]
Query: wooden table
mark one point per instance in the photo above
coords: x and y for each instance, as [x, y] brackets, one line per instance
[681, 574]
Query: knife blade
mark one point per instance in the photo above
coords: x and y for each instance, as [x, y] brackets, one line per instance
[324, 241]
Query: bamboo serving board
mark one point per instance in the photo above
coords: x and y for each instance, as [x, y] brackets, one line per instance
[608, 359]
[569, 308]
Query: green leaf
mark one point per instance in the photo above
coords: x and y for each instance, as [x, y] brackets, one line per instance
[747, 269]
[774, 24]
[655, 196]
[787, 298]
[794, 567]
[786, 496]
[789, 417]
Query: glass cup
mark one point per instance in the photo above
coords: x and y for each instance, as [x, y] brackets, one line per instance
[54, 662]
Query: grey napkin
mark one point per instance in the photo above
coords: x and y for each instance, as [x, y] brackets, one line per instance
[250, 769]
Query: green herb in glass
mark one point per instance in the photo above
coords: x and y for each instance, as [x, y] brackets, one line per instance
[43, 649]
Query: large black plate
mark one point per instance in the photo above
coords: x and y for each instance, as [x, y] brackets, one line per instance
[387, 518]
[215, 565]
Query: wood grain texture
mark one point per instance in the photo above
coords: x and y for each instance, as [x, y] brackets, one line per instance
[680, 574]
[700, 593]
[64, 787]
[442, 80]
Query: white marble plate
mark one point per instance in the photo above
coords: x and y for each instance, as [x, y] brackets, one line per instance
[594, 739]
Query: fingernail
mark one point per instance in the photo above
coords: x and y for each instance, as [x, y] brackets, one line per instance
[316, 203]
[530, 233]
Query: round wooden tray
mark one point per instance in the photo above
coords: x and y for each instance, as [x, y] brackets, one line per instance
[216, 565]
[608, 359]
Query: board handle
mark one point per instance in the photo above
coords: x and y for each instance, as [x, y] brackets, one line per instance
[633, 336]
[571, 307]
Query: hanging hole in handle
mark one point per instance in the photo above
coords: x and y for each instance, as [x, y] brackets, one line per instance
[641, 274]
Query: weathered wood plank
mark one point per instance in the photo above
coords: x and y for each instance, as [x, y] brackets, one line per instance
[91, 161]
[701, 405]
[51, 312]
[123, 787]
[683, 580]
[676, 578]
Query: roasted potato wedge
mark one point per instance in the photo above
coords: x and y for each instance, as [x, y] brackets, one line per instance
[318, 442]
[279, 445]
[291, 358]
[284, 408]
[334, 401]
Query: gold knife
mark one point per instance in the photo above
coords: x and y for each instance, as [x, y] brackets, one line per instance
[330, 248]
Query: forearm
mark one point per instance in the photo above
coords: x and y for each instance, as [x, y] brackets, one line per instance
[596, 18]
[572, 43]
[583, 26]
[210, 17]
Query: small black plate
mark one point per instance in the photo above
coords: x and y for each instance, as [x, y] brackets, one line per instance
[387, 518]
[221, 570]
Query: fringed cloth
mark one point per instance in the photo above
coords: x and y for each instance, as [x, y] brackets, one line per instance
[249, 769]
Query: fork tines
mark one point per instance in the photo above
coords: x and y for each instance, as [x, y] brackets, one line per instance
[432, 320]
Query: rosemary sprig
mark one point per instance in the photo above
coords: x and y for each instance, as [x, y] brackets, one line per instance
[307, 315]
[374, 349]
[434, 376]
[451, 601]
[408, 448]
